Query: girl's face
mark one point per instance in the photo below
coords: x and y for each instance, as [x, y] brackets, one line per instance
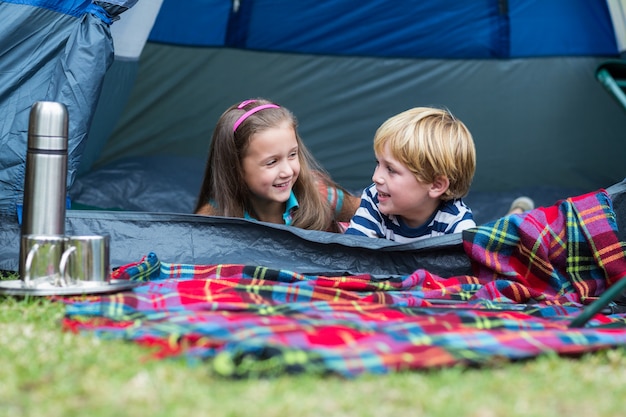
[271, 167]
[400, 193]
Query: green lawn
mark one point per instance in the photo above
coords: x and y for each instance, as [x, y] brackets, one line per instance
[45, 371]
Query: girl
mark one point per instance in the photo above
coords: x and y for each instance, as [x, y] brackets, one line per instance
[258, 168]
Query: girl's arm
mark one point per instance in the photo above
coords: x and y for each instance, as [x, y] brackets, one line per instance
[348, 208]
[341, 201]
[206, 210]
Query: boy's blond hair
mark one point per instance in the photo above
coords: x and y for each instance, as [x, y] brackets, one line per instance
[431, 143]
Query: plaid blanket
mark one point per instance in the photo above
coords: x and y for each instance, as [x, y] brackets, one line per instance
[532, 274]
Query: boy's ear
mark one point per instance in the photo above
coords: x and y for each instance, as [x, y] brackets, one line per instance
[439, 186]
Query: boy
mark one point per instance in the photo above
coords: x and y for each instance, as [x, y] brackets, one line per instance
[425, 163]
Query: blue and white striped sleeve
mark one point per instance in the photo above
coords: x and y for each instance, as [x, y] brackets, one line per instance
[367, 220]
[464, 218]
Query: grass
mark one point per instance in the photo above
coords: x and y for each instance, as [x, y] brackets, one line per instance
[45, 371]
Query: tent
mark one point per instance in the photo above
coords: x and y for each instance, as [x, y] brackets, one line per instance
[146, 80]
[520, 74]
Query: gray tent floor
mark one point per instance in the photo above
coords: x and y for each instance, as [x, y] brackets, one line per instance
[170, 184]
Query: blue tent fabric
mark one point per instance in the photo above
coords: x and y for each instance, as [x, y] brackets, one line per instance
[583, 28]
[50, 51]
[47, 55]
[382, 28]
[485, 29]
[519, 74]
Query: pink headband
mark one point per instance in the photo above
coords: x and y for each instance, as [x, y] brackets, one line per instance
[251, 111]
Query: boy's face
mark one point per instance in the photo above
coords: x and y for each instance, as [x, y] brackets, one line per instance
[271, 167]
[400, 193]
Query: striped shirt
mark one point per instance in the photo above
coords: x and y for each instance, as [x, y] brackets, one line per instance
[451, 217]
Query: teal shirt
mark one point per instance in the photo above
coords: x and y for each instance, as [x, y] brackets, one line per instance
[292, 204]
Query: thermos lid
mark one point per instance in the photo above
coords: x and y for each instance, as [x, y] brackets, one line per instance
[48, 126]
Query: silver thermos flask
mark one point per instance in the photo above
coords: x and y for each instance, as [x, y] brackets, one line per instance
[46, 170]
